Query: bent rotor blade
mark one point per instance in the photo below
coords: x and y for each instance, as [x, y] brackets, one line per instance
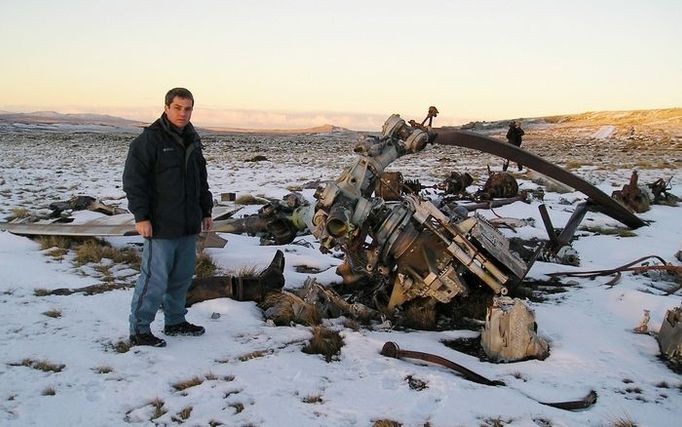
[605, 204]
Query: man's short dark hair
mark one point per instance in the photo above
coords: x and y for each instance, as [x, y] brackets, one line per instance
[180, 92]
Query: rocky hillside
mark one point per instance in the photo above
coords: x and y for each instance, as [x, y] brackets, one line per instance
[595, 138]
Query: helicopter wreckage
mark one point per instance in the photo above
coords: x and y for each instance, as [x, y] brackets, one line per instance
[399, 248]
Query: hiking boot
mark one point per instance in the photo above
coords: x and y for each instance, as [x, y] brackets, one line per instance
[146, 339]
[184, 328]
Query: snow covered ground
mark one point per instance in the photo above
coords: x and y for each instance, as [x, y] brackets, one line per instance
[252, 373]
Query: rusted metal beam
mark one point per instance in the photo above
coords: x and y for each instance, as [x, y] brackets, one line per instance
[605, 204]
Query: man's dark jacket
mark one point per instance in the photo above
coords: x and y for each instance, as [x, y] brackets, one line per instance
[514, 135]
[165, 180]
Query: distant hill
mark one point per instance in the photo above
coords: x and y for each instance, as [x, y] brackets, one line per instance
[663, 125]
[314, 130]
[54, 118]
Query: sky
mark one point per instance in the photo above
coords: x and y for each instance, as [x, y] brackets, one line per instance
[279, 64]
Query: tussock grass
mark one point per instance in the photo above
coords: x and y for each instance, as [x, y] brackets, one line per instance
[238, 407]
[103, 369]
[48, 391]
[386, 423]
[61, 242]
[41, 292]
[54, 313]
[286, 308]
[351, 324]
[228, 378]
[254, 355]
[192, 382]
[184, 413]
[324, 341]
[312, 398]
[93, 251]
[120, 346]
[40, 365]
[246, 271]
[624, 421]
[495, 422]
[159, 410]
[250, 199]
[18, 213]
[57, 253]
[214, 423]
[416, 383]
[204, 266]
[420, 316]
[610, 231]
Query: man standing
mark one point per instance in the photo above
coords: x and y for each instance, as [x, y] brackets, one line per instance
[514, 136]
[166, 184]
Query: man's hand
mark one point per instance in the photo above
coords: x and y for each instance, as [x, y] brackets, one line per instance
[207, 224]
[144, 228]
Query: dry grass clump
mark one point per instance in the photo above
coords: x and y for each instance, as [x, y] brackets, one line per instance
[103, 369]
[40, 365]
[49, 391]
[57, 253]
[249, 199]
[18, 213]
[254, 355]
[312, 398]
[61, 242]
[159, 410]
[351, 324]
[93, 251]
[494, 422]
[610, 231]
[204, 266]
[55, 314]
[286, 308]
[120, 346]
[238, 407]
[324, 341]
[624, 421]
[416, 383]
[420, 315]
[41, 292]
[183, 385]
[386, 423]
[183, 414]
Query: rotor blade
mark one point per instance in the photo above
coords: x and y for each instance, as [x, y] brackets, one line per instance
[605, 204]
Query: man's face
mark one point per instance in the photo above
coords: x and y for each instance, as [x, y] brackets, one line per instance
[179, 111]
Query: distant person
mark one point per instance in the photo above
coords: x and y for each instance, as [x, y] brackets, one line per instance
[514, 137]
[166, 184]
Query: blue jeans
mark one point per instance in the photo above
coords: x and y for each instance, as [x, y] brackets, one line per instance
[165, 275]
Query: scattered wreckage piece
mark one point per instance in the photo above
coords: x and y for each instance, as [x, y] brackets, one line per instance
[116, 225]
[510, 334]
[392, 350]
[602, 201]
[271, 279]
[122, 224]
[616, 272]
[670, 335]
[80, 203]
[558, 249]
[499, 185]
[634, 196]
[639, 198]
